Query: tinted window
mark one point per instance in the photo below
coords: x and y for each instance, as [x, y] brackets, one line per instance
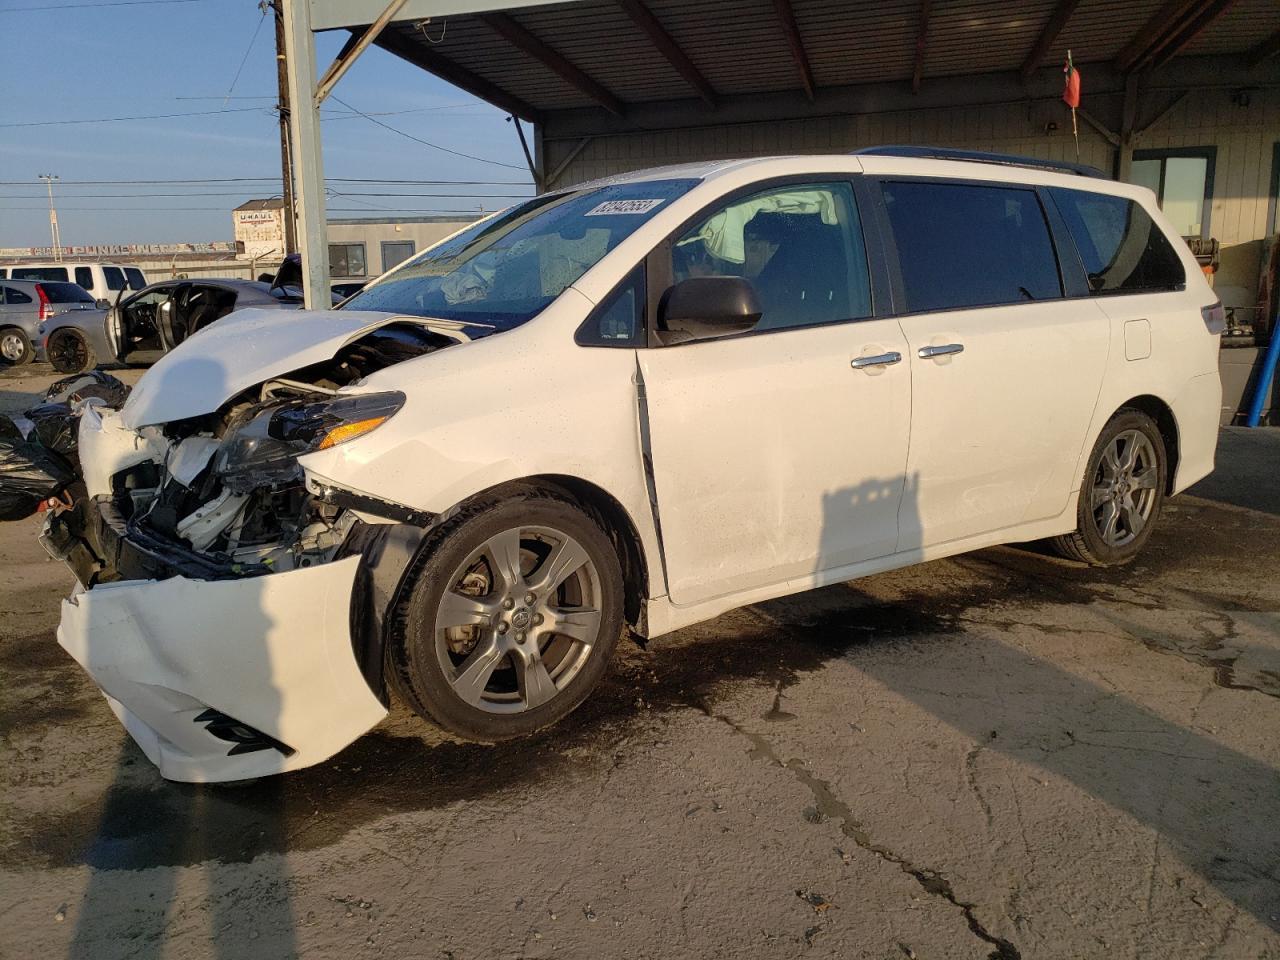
[1122, 248]
[505, 270]
[114, 277]
[13, 295]
[39, 273]
[84, 277]
[66, 293]
[619, 320]
[801, 247]
[961, 245]
[135, 278]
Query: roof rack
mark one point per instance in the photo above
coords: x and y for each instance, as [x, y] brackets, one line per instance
[979, 156]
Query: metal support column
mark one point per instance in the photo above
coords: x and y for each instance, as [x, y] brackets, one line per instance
[308, 161]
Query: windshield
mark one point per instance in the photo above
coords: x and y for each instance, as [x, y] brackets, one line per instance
[507, 270]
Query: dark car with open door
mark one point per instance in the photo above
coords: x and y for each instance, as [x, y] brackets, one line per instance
[147, 324]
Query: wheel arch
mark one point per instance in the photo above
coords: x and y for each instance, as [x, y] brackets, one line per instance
[606, 509]
[1159, 411]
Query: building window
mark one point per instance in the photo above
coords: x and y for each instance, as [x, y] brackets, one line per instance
[1182, 180]
[346, 260]
[395, 252]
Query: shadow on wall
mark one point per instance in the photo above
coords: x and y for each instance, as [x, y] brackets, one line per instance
[126, 908]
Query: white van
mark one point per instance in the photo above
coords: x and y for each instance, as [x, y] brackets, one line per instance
[637, 402]
[103, 280]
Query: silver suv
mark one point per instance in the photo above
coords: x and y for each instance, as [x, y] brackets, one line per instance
[24, 304]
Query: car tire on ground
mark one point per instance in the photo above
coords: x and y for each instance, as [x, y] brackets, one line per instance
[510, 617]
[15, 346]
[1122, 493]
[69, 352]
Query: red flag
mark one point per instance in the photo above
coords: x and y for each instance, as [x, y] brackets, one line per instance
[1071, 88]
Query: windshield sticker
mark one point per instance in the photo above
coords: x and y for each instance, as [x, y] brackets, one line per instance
[611, 207]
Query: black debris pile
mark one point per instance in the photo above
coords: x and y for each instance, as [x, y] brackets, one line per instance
[38, 450]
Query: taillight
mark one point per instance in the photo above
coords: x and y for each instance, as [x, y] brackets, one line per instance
[1215, 317]
[46, 309]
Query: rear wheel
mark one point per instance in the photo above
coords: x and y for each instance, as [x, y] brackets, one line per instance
[69, 351]
[511, 619]
[15, 346]
[1122, 493]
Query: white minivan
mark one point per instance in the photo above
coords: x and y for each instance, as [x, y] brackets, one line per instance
[104, 281]
[630, 404]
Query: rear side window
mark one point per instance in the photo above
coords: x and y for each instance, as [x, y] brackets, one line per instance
[13, 295]
[135, 278]
[114, 277]
[962, 245]
[1122, 249]
[40, 273]
[66, 293]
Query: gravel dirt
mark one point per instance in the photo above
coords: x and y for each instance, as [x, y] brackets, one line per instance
[1000, 755]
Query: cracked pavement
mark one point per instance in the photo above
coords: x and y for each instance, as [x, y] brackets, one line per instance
[1000, 755]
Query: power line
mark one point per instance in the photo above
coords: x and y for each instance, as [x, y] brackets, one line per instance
[425, 143]
[245, 59]
[154, 116]
[89, 6]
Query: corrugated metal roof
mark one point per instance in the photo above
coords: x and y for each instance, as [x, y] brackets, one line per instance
[741, 49]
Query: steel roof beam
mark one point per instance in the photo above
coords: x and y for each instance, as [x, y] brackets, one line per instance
[1053, 26]
[423, 57]
[352, 49]
[1193, 30]
[791, 30]
[652, 28]
[1172, 27]
[922, 38]
[523, 40]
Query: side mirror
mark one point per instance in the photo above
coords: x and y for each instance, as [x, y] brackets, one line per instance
[102, 303]
[704, 307]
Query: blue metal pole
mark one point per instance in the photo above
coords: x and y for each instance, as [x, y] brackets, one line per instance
[1265, 376]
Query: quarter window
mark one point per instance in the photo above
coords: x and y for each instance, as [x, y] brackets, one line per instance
[346, 260]
[619, 320]
[1122, 249]
[801, 246]
[965, 245]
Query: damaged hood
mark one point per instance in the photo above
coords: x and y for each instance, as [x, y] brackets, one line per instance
[244, 349]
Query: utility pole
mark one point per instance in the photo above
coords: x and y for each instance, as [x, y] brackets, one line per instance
[282, 108]
[48, 178]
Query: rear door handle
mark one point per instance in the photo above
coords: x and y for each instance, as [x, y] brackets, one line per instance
[879, 360]
[946, 349]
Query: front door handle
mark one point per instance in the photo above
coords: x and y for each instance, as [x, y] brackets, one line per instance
[926, 353]
[879, 360]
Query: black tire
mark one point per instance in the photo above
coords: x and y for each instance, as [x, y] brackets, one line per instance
[1088, 542]
[69, 352]
[18, 346]
[417, 647]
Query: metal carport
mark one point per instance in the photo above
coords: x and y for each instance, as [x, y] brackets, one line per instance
[604, 81]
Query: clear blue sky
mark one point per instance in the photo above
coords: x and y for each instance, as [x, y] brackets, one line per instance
[88, 62]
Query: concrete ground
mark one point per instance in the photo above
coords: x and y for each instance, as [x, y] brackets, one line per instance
[996, 756]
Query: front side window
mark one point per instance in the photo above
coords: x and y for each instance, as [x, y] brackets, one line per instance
[965, 245]
[1122, 249]
[506, 270]
[84, 277]
[1182, 181]
[134, 278]
[800, 245]
[346, 260]
[114, 277]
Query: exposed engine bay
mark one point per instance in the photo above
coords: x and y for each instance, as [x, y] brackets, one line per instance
[228, 486]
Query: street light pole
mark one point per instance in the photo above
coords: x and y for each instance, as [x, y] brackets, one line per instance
[48, 178]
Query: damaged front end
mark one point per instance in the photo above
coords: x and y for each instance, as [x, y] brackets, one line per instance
[230, 607]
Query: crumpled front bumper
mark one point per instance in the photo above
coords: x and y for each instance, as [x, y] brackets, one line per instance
[227, 679]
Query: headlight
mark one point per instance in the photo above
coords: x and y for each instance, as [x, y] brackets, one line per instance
[263, 451]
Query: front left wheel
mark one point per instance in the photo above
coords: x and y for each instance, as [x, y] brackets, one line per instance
[511, 617]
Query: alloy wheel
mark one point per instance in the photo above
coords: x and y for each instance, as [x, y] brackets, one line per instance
[1124, 488]
[518, 619]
